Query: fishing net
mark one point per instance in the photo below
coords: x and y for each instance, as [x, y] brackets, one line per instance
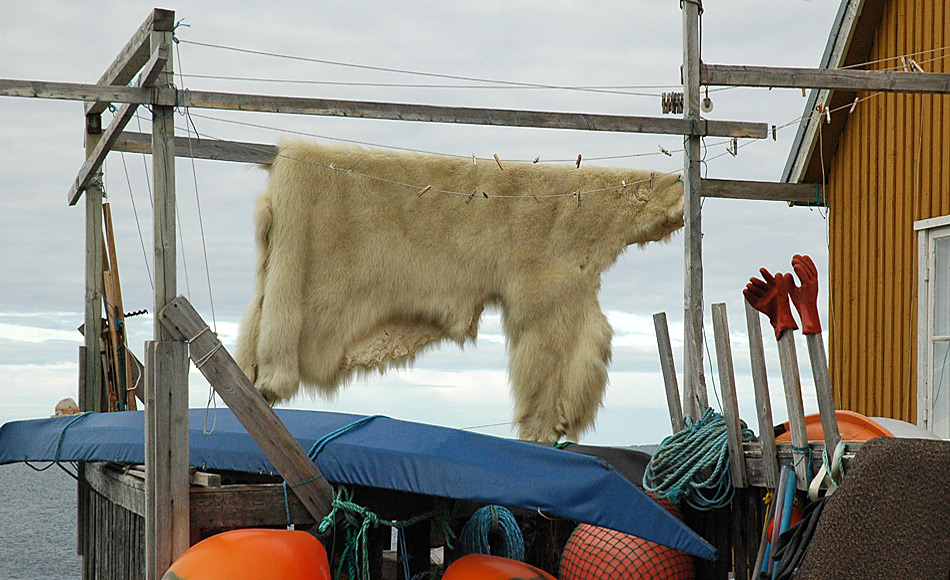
[594, 553]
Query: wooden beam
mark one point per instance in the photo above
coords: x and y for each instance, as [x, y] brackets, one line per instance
[85, 92]
[793, 401]
[808, 194]
[133, 56]
[730, 403]
[763, 403]
[819, 78]
[471, 116]
[166, 455]
[263, 154]
[98, 155]
[668, 366]
[260, 420]
[695, 399]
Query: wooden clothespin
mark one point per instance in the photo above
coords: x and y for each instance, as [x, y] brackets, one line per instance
[470, 197]
[665, 152]
[854, 105]
[425, 189]
[733, 148]
[651, 179]
[577, 194]
[774, 133]
[498, 161]
[578, 160]
[534, 195]
[474, 161]
[536, 159]
[485, 195]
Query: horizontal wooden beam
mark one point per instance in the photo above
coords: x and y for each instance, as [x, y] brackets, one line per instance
[98, 155]
[262, 154]
[835, 79]
[387, 111]
[471, 116]
[792, 193]
[133, 56]
[86, 92]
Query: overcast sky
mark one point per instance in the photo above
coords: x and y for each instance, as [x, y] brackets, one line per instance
[634, 44]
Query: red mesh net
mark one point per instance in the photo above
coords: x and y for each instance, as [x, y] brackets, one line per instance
[594, 553]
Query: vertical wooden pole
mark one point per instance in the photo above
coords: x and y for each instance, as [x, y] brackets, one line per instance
[90, 396]
[826, 401]
[91, 369]
[667, 364]
[763, 403]
[694, 383]
[163, 166]
[166, 426]
[166, 455]
[796, 411]
[730, 404]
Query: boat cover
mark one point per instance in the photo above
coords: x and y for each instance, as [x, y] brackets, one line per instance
[385, 453]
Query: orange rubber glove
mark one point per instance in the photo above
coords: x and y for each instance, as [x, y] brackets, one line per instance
[770, 297]
[805, 297]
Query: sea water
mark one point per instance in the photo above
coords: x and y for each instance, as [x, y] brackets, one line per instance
[38, 524]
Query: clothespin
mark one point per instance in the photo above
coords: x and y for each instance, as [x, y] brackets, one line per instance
[665, 152]
[623, 184]
[733, 148]
[534, 195]
[498, 161]
[470, 197]
[425, 189]
[774, 133]
[803, 93]
[904, 64]
[854, 105]
[536, 159]
[577, 194]
[914, 66]
[652, 174]
[485, 195]
[578, 160]
[474, 161]
[828, 114]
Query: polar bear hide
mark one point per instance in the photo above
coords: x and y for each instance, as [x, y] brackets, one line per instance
[358, 272]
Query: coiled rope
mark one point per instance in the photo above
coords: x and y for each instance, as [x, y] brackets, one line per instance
[693, 464]
[498, 522]
[357, 521]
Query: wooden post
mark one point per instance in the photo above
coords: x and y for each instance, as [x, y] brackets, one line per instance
[166, 455]
[90, 396]
[793, 401]
[826, 400]
[763, 403]
[163, 167]
[694, 388]
[262, 423]
[730, 404]
[668, 366]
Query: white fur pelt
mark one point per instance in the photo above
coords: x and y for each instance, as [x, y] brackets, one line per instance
[357, 272]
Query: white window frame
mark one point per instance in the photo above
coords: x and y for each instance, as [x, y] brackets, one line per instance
[928, 232]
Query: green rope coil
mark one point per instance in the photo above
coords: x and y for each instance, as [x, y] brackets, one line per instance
[357, 521]
[693, 464]
[498, 520]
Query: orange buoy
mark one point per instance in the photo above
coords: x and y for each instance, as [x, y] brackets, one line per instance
[485, 567]
[253, 554]
[852, 427]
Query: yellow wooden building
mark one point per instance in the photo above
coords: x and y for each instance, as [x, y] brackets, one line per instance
[885, 158]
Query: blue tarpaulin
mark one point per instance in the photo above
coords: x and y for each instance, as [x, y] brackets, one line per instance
[385, 453]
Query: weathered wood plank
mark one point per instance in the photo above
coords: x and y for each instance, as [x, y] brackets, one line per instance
[763, 403]
[133, 55]
[730, 403]
[816, 78]
[808, 194]
[166, 454]
[264, 426]
[96, 157]
[471, 115]
[754, 464]
[826, 399]
[121, 489]
[668, 366]
[793, 401]
[695, 398]
[248, 505]
[85, 92]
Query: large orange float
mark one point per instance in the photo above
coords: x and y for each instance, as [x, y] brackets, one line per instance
[852, 427]
[485, 567]
[253, 554]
